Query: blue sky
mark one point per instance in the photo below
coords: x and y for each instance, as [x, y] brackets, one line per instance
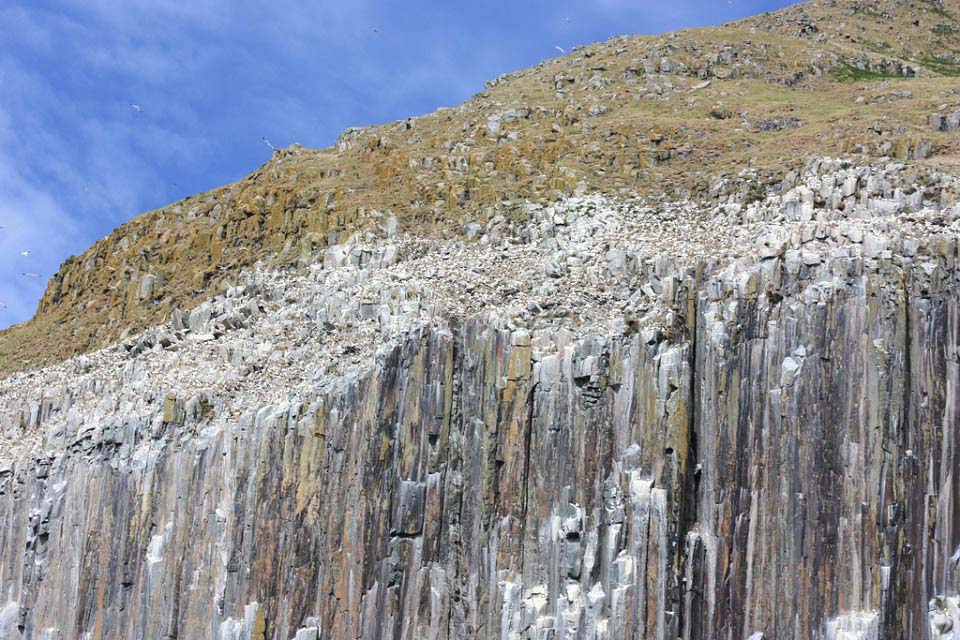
[213, 76]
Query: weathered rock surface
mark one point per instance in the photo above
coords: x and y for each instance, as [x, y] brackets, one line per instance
[617, 419]
[949, 121]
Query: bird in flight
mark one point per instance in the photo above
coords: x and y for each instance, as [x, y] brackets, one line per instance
[136, 107]
[30, 275]
[560, 49]
[267, 142]
[25, 254]
[374, 30]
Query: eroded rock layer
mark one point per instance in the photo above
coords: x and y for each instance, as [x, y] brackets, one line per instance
[619, 419]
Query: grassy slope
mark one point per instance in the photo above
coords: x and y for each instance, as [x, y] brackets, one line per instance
[611, 127]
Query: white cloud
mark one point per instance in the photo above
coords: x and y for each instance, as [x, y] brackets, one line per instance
[212, 77]
[75, 160]
[32, 221]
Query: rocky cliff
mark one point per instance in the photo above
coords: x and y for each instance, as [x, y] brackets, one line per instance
[619, 419]
[543, 399]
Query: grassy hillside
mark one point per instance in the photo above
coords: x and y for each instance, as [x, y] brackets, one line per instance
[685, 113]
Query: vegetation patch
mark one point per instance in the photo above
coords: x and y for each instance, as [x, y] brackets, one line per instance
[942, 66]
[937, 8]
[877, 47]
[849, 73]
[869, 12]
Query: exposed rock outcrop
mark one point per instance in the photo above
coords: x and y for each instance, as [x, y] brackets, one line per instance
[949, 121]
[595, 355]
[597, 419]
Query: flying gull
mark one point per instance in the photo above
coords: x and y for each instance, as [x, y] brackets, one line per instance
[136, 107]
[560, 49]
[267, 142]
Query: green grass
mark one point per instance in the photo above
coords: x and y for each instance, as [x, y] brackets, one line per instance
[939, 65]
[935, 7]
[876, 47]
[849, 73]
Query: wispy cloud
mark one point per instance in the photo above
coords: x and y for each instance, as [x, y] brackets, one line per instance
[75, 159]
[33, 223]
[213, 76]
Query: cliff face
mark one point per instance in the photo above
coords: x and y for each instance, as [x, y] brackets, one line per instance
[466, 376]
[618, 419]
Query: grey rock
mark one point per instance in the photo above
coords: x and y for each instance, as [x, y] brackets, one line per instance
[722, 419]
[493, 126]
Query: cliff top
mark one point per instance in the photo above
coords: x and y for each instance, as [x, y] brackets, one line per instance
[583, 267]
[717, 114]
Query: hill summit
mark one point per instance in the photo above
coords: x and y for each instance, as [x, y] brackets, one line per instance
[725, 113]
